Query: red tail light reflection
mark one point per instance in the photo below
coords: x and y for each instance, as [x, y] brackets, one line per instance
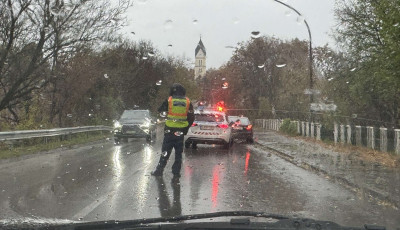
[223, 126]
[194, 124]
[249, 127]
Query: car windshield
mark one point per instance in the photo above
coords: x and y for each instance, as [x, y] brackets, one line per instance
[209, 118]
[232, 118]
[104, 106]
[243, 121]
[134, 114]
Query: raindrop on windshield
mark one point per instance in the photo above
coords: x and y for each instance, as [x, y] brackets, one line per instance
[353, 69]
[255, 34]
[168, 24]
[128, 153]
[288, 13]
[261, 66]
[159, 82]
[69, 115]
[90, 114]
[170, 46]
[163, 114]
[330, 79]
[280, 65]
[396, 25]
[300, 19]
[151, 54]
[73, 179]
[236, 20]
[105, 165]
[347, 82]
[144, 58]
[195, 21]
[105, 76]
[165, 153]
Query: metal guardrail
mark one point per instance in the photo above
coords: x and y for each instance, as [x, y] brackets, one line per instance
[26, 134]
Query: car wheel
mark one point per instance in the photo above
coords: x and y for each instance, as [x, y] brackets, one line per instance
[116, 141]
[228, 145]
[194, 145]
[187, 144]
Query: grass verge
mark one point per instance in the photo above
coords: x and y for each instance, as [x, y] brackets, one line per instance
[361, 152]
[18, 148]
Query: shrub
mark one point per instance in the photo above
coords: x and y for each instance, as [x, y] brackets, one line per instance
[288, 127]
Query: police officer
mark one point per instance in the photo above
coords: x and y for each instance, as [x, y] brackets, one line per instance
[180, 117]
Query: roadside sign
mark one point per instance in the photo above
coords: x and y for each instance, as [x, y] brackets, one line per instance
[323, 107]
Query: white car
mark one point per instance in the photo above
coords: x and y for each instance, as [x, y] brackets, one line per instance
[209, 127]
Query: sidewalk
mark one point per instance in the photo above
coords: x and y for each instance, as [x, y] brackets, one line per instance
[371, 180]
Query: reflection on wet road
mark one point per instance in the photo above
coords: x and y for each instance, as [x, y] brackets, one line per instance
[105, 181]
[169, 208]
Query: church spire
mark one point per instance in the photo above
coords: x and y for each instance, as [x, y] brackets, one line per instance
[200, 46]
[200, 60]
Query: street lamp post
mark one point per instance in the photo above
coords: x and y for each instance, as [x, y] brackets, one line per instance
[310, 49]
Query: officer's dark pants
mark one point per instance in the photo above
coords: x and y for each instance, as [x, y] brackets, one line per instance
[171, 141]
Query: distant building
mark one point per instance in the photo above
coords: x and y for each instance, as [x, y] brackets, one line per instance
[200, 61]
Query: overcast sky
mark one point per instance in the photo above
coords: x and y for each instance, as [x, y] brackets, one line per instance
[224, 23]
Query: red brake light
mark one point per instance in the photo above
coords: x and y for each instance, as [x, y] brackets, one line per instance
[249, 127]
[223, 126]
[194, 124]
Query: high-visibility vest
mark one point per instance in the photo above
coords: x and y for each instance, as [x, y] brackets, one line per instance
[177, 112]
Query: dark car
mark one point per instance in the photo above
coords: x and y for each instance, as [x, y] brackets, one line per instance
[242, 129]
[134, 124]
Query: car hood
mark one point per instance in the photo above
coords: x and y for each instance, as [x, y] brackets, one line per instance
[201, 221]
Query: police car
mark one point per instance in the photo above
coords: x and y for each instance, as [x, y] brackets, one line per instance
[209, 127]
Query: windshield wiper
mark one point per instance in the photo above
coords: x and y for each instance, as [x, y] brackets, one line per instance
[281, 223]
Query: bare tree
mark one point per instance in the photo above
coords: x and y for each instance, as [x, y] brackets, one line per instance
[35, 33]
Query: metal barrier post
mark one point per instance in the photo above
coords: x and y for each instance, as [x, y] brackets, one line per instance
[348, 134]
[397, 140]
[383, 137]
[335, 132]
[307, 129]
[370, 137]
[358, 136]
[298, 127]
[318, 131]
[342, 137]
[312, 130]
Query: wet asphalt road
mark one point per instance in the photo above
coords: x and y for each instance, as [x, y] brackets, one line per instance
[104, 181]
